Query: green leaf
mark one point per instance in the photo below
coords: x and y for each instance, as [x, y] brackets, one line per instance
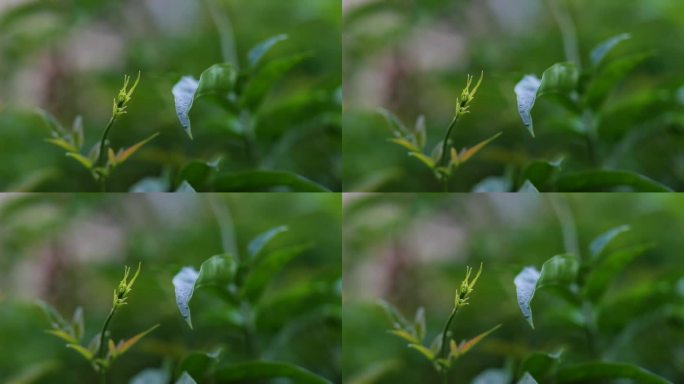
[419, 323]
[466, 346]
[607, 180]
[404, 143]
[466, 154]
[601, 276]
[607, 78]
[560, 78]
[398, 128]
[257, 53]
[77, 323]
[218, 270]
[83, 351]
[261, 370]
[185, 378]
[51, 122]
[405, 334]
[528, 187]
[62, 143]
[602, 371]
[63, 334]
[398, 320]
[558, 270]
[198, 173]
[198, 363]
[428, 161]
[423, 351]
[125, 345]
[184, 285]
[253, 181]
[527, 379]
[54, 317]
[598, 53]
[185, 187]
[540, 364]
[218, 80]
[420, 132]
[258, 243]
[601, 242]
[266, 77]
[264, 271]
[125, 154]
[539, 172]
[526, 94]
[84, 161]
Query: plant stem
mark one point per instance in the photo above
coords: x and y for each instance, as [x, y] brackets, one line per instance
[444, 332]
[224, 26]
[445, 184]
[590, 328]
[567, 223]
[100, 158]
[568, 31]
[225, 222]
[590, 135]
[443, 159]
[101, 349]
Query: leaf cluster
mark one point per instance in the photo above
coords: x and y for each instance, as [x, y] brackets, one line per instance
[240, 282]
[582, 283]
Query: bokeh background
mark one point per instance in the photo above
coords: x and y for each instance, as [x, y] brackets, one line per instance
[71, 250]
[411, 57]
[69, 57]
[412, 249]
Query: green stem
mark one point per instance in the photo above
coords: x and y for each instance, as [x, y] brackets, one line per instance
[590, 328]
[445, 184]
[100, 158]
[442, 352]
[443, 159]
[568, 31]
[224, 26]
[590, 135]
[101, 348]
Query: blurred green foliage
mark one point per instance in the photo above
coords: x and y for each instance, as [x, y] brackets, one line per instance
[411, 58]
[70, 250]
[68, 57]
[411, 250]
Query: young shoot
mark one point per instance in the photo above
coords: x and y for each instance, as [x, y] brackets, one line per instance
[444, 159]
[101, 351]
[101, 160]
[444, 351]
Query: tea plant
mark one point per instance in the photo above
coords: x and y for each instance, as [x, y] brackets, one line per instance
[443, 351]
[101, 351]
[240, 283]
[582, 283]
[241, 92]
[101, 160]
[583, 92]
[444, 159]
